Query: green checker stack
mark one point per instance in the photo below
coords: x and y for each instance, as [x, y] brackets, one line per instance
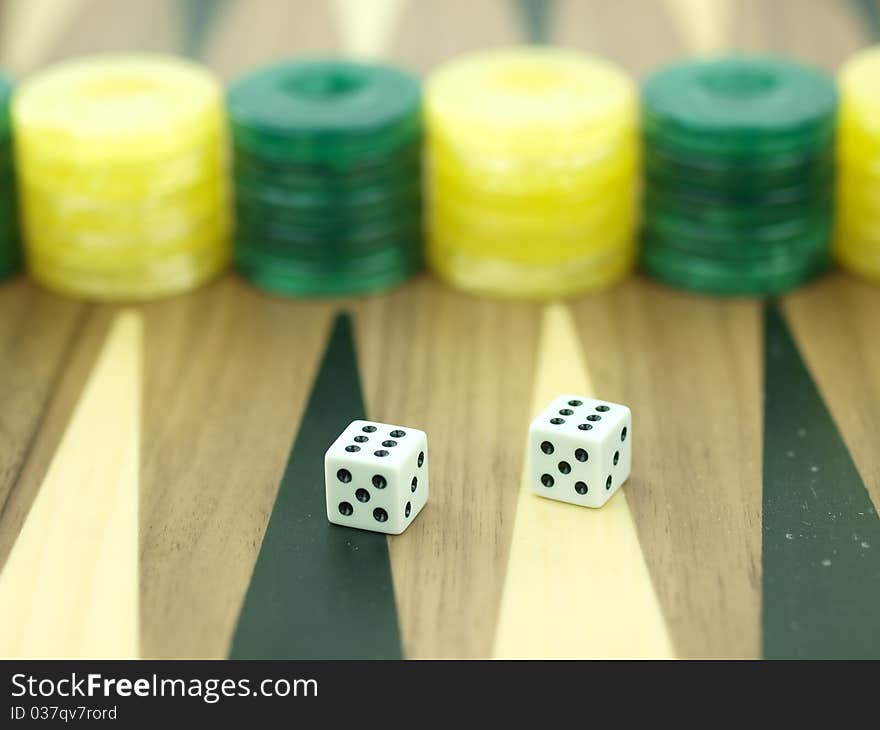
[10, 244]
[739, 175]
[327, 177]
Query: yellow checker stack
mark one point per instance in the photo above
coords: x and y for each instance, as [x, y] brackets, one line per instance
[857, 237]
[532, 172]
[122, 163]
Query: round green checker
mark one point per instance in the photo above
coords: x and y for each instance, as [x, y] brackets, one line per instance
[9, 234]
[710, 275]
[748, 200]
[291, 255]
[327, 177]
[5, 97]
[707, 173]
[298, 278]
[721, 213]
[8, 199]
[747, 106]
[713, 165]
[295, 202]
[365, 261]
[733, 147]
[789, 239]
[324, 111]
[11, 257]
[399, 168]
[331, 244]
[326, 225]
[7, 154]
[298, 201]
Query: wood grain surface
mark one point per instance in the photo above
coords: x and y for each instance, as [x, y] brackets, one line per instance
[690, 367]
[227, 372]
[44, 340]
[461, 369]
[835, 324]
[70, 585]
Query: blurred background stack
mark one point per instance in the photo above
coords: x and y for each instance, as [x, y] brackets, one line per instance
[10, 247]
[122, 166]
[857, 240]
[327, 177]
[533, 158]
[739, 174]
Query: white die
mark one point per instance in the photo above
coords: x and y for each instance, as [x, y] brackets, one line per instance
[580, 450]
[376, 476]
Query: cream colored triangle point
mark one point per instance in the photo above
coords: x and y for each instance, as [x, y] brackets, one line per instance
[704, 24]
[70, 585]
[368, 26]
[577, 585]
[29, 30]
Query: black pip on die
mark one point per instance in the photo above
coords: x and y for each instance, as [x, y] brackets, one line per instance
[580, 450]
[376, 476]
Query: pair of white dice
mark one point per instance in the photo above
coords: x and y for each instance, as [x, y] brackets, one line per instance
[376, 474]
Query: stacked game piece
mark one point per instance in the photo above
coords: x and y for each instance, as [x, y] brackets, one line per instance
[533, 172]
[739, 170]
[857, 235]
[327, 177]
[121, 161]
[10, 250]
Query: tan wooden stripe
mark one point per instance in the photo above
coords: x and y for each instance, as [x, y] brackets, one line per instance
[705, 25]
[29, 30]
[41, 378]
[368, 26]
[577, 584]
[70, 585]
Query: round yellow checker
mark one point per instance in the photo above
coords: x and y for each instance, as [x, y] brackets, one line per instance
[533, 158]
[512, 279]
[518, 181]
[857, 235]
[132, 182]
[138, 279]
[124, 184]
[533, 99]
[119, 107]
